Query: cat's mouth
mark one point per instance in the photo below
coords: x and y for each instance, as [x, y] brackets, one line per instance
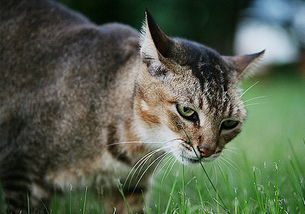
[189, 155]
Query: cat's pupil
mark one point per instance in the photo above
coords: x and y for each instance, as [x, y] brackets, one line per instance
[186, 109]
[229, 124]
[187, 113]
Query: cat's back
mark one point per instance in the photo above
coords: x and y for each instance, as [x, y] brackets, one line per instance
[43, 44]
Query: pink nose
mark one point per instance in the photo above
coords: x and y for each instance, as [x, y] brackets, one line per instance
[205, 152]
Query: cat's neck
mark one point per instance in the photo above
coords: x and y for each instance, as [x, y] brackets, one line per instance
[130, 141]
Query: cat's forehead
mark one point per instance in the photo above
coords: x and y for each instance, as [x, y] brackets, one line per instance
[208, 70]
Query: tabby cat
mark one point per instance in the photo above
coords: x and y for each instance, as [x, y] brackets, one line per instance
[80, 104]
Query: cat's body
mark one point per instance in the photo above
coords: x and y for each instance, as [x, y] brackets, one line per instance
[71, 90]
[68, 83]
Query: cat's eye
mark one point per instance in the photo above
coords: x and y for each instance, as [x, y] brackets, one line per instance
[229, 124]
[186, 112]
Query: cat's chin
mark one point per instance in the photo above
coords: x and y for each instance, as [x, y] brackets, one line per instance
[189, 161]
[194, 161]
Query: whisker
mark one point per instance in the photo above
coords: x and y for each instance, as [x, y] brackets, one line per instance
[252, 104]
[230, 150]
[167, 164]
[139, 162]
[141, 141]
[139, 170]
[167, 161]
[168, 170]
[222, 162]
[215, 173]
[220, 168]
[255, 98]
[154, 161]
[248, 89]
[229, 163]
[222, 204]
[131, 142]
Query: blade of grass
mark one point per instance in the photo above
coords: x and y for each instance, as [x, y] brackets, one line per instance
[28, 203]
[183, 189]
[170, 197]
[120, 187]
[85, 201]
[223, 205]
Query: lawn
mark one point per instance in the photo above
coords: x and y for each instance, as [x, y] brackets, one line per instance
[261, 170]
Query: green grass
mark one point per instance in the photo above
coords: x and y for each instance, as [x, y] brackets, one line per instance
[262, 171]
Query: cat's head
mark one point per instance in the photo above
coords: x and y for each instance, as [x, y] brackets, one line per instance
[187, 98]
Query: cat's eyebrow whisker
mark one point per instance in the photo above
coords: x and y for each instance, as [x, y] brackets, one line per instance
[253, 104]
[255, 98]
[248, 89]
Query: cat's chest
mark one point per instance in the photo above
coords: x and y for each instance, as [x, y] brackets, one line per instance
[103, 170]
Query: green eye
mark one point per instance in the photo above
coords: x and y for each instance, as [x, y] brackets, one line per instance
[229, 124]
[186, 112]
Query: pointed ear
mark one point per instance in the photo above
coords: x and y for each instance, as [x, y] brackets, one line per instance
[154, 43]
[243, 63]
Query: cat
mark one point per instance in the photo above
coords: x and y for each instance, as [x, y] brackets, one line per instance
[81, 103]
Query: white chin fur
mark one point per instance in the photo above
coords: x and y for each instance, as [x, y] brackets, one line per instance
[188, 159]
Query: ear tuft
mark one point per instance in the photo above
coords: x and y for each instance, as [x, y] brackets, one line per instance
[153, 41]
[243, 63]
[148, 49]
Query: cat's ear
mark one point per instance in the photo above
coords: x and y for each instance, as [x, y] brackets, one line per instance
[242, 64]
[154, 43]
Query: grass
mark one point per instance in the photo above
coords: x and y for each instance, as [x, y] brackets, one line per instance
[261, 172]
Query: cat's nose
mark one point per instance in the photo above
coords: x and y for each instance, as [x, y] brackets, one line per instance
[205, 151]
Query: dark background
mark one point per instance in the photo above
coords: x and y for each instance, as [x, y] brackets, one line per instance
[211, 22]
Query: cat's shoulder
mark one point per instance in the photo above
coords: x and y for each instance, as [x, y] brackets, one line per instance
[43, 9]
